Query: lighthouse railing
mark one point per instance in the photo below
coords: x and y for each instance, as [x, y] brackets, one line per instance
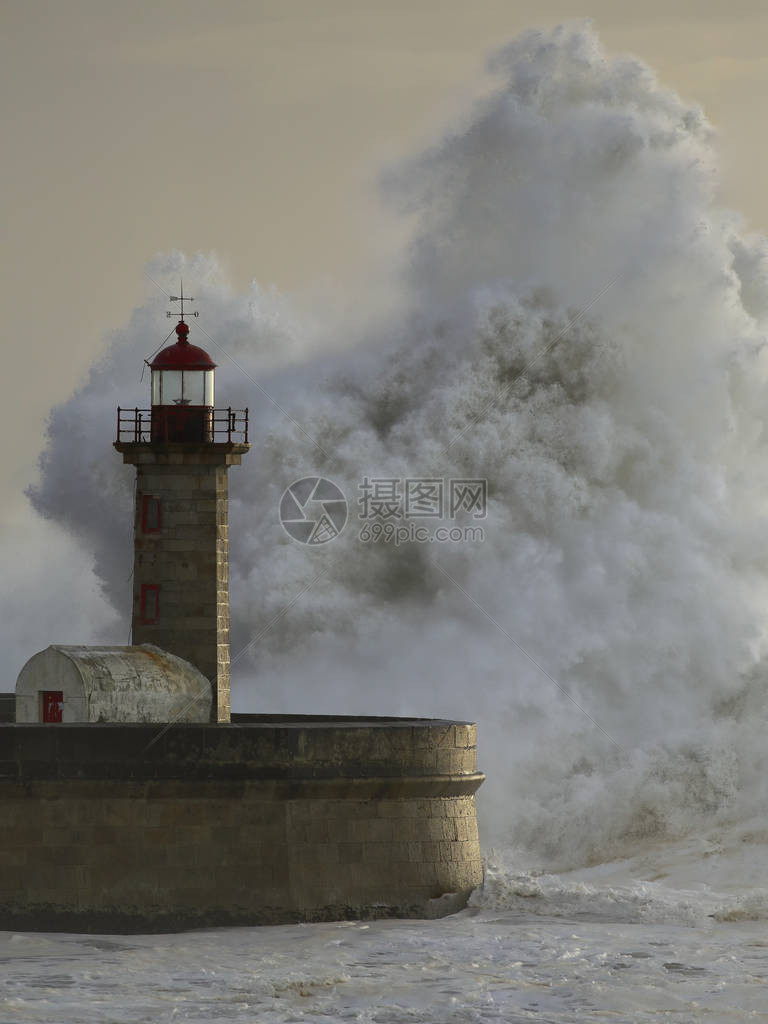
[228, 426]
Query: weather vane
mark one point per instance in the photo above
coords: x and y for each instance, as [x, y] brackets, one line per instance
[181, 298]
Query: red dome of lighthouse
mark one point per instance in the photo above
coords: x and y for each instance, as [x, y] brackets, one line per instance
[182, 355]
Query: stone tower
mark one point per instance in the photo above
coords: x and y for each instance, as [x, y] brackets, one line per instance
[182, 450]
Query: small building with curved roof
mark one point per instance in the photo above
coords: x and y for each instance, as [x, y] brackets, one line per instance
[111, 684]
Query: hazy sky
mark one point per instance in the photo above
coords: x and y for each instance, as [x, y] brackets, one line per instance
[257, 128]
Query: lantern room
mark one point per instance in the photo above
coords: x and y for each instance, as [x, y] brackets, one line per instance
[182, 391]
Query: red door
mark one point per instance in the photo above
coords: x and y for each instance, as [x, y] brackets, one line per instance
[52, 701]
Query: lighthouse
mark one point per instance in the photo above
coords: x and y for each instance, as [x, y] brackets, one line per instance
[182, 448]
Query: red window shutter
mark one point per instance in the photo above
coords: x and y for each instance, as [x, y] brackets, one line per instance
[150, 603]
[52, 701]
[151, 514]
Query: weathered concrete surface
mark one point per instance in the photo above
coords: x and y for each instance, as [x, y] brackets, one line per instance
[114, 684]
[266, 822]
[188, 557]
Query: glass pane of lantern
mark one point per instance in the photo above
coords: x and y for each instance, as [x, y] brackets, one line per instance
[208, 387]
[156, 388]
[193, 387]
[171, 387]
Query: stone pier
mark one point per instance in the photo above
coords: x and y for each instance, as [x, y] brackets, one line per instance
[269, 820]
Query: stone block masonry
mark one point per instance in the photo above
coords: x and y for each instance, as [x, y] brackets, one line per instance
[181, 555]
[268, 820]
